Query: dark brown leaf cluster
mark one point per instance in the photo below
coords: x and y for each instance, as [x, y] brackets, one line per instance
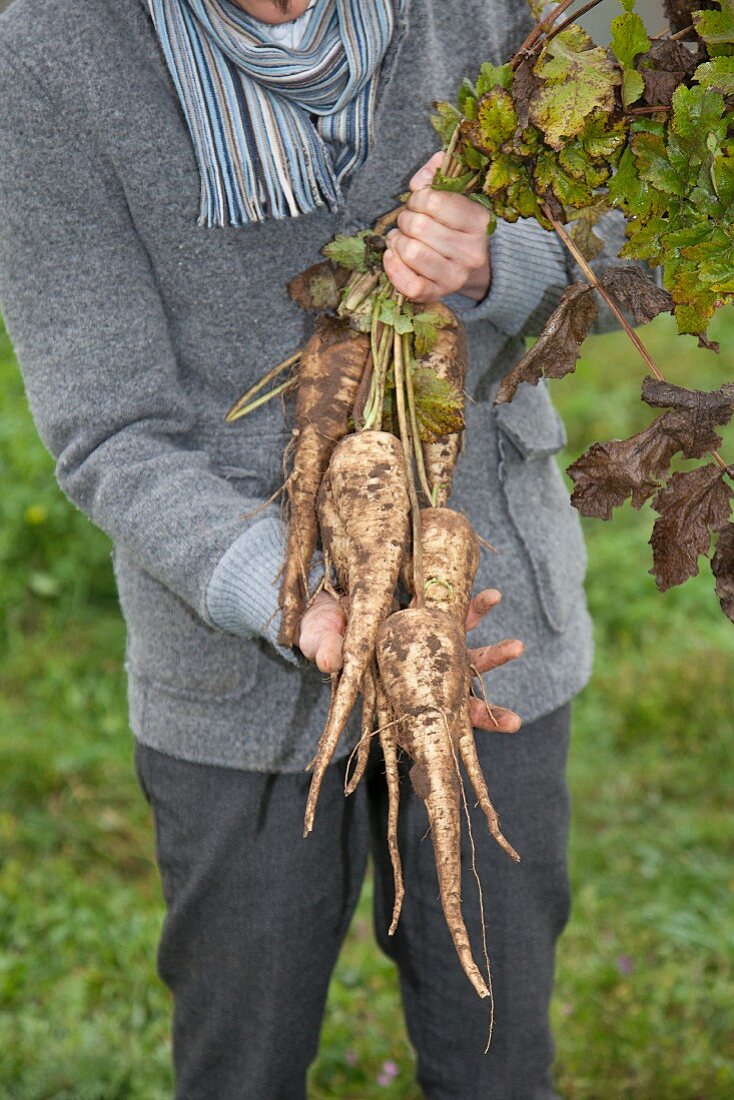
[635, 293]
[556, 351]
[692, 506]
[609, 473]
[666, 65]
[319, 286]
[722, 566]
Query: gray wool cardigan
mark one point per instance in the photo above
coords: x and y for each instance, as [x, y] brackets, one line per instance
[136, 328]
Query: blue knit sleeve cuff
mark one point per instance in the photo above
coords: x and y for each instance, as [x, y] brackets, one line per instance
[242, 596]
[525, 261]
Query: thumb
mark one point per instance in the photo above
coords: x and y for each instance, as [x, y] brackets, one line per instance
[424, 176]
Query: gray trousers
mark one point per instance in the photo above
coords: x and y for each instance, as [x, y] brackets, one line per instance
[256, 916]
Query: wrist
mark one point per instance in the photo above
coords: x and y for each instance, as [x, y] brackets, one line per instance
[477, 285]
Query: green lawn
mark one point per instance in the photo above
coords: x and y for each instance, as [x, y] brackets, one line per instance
[645, 992]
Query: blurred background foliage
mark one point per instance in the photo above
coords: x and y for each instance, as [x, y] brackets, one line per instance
[644, 1004]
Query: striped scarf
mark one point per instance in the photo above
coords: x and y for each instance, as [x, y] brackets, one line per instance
[275, 131]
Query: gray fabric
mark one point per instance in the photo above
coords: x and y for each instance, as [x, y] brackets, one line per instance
[136, 329]
[256, 916]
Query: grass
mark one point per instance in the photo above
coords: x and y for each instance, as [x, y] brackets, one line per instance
[644, 1004]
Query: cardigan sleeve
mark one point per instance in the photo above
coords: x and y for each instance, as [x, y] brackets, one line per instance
[89, 328]
[530, 269]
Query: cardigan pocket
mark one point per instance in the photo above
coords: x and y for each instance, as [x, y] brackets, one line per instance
[171, 649]
[530, 433]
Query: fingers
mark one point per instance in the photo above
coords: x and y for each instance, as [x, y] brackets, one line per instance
[480, 604]
[412, 284]
[321, 636]
[451, 209]
[445, 271]
[493, 656]
[493, 719]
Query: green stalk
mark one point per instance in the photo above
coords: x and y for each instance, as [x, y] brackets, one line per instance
[418, 578]
[410, 391]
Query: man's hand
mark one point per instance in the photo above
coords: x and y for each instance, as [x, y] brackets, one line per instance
[441, 243]
[496, 719]
[322, 636]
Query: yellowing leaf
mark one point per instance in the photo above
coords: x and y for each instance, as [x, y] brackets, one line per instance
[577, 77]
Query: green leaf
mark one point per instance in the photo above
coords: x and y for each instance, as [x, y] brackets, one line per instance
[439, 405]
[628, 5]
[716, 27]
[425, 326]
[496, 119]
[445, 121]
[629, 39]
[458, 184]
[467, 99]
[697, 114]
[654, 164]
[493, 75]
[577, 78]
[397, 319]
[502, 171]
[717, 75]
[722, 179]
[350, 252]
[646, 241]
[627, 190]
[550, 176]
[600, 139]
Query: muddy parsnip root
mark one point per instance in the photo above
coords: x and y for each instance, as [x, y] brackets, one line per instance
[364, 518]
[331, 367]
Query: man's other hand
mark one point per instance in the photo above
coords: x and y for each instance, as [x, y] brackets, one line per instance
[440, 245]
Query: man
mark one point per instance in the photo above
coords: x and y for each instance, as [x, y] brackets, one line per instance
[159, 185]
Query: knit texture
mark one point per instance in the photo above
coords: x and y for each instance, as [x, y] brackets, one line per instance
[136, 329]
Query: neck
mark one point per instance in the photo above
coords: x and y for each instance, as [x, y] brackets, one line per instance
[273, 11]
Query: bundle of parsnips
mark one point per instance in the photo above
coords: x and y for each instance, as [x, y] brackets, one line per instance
[563, 133]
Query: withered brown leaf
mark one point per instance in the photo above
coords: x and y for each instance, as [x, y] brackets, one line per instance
[556, 351]
[666, 65]
[635, 293]
[318, 287]
[722, 566]
[524, 86]
[608, 473]
[695, 413]
[692, 505]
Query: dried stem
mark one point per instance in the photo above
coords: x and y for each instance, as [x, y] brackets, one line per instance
[655, 109]
[538, 31]
[410, 391]
[418, 579]
[235, 412]
[572, 19]
[592, 279]
[243, 410]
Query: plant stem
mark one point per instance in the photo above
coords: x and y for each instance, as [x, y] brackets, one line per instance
[592, 279]
[245, 409]
[572, 19]
[656, 108]
[418, 579]
[234, 413]
[387, 220]
[410, 391]
[538, 30]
